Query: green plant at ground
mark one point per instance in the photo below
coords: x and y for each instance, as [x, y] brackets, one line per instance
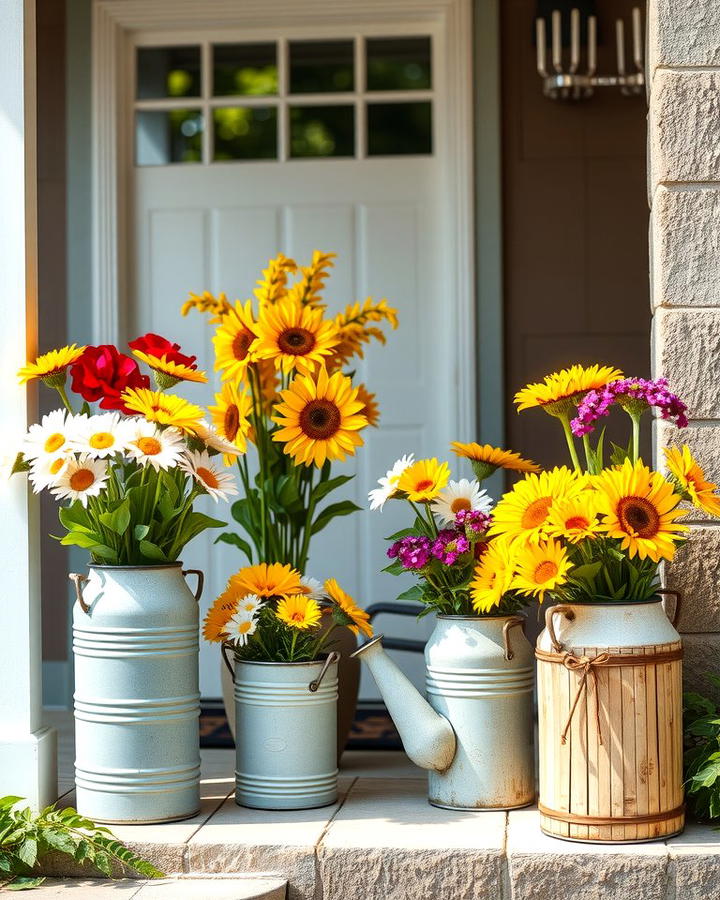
[701, 723]
[26, 837]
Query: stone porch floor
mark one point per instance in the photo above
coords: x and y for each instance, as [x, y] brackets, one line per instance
[382, 841]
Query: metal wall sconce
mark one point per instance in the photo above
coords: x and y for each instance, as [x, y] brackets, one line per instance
[571, 84]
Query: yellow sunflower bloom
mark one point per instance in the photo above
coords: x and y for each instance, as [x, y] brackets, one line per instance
[169, 373]
[165, 409]
[359, 619]
[230, 418]
[51, 366]
[559, 391]
[267, 580]
[232, 342]
[319, 418]
[523, 512]
[574, 518]
[424, 480]
[299, 611]
[485, 459]
[293, 336]
[541, 567]
[493, 576]
[689, 476]
[370, 409]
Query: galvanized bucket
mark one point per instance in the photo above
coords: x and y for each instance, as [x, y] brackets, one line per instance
[286, 743]
[137, 703]
[480, 677]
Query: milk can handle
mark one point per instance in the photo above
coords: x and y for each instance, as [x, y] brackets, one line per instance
[557, 610]
[332, 657]
[224, 647]
[200, 580]
[678, 603]
[79, 581]
[512, 622]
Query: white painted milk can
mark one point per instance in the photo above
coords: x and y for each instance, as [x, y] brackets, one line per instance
[286, 733]
[137, 702]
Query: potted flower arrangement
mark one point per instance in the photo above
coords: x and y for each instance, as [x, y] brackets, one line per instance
[127, 477]
[609, 660]
[286, 393]
[476, 736]
[278, 625]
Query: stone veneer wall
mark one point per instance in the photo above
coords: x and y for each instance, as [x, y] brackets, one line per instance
[684, 188]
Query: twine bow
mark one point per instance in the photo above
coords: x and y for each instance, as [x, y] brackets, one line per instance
[587, 666]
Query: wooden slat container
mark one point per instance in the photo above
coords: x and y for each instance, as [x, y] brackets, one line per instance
[610, 723]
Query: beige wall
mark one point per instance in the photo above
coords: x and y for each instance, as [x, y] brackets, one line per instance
[684, 187]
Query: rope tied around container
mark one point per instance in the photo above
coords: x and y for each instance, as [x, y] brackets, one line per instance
[586, 665]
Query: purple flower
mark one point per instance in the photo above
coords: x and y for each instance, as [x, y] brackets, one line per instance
[633, 394]
[448, 545]
[472, 522]
[413, 552]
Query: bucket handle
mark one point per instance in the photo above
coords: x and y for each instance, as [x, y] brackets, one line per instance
[224, 647]
[512, 622]
[332, 657]
[678, 603]
[200, 580]
[560, 609]
[79, 581]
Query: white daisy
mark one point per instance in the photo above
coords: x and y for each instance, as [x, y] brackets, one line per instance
[312, 588]
[49, 437]
[208, 434]
[46, 470]
[160, 448]
[388, 484]
[81, 478]
[102, 435]
[217, 483]
[240, 627]
[249, 605]
[463, 494]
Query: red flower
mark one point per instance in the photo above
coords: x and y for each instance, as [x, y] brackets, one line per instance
[154, 345]
[103, 373]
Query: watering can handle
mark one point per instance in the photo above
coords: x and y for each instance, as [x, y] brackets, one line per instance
[552, 611]
[224, 647]
[79, 581]
[332, 657]
[678, 603]
[512, 622]
[200, 580]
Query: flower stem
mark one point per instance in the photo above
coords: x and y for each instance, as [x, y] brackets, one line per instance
[635, 437]
[60, 388]
[565, 420]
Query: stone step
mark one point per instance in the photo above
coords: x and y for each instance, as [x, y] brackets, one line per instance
[250, 888]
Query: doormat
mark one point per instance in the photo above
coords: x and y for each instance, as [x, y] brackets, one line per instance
[373, 729]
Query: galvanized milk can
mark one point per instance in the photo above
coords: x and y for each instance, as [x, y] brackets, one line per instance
[137, 703]
[286, 733]
[475, 732]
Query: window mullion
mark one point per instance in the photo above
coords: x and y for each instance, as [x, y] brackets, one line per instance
[360, 117]
[283, 115]
[206, 93]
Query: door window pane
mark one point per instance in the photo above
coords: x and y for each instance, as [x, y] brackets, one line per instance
[243, 132]
[398, 64]
[170, 136]
[321, 66]
[399, 128]
[245, 70]
[168, 72]
[322, 131]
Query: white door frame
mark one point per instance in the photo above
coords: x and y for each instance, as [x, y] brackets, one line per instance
[112, 27]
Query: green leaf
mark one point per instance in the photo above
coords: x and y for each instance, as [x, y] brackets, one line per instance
[24, 883]
[141, 531]
[102, 862]
[587, 572]
[404, 532]
[415, 593]
[9, 801]
[75, 514]
[326, 487]
[118, 520]
[229, 537]
[152, 551]
[395, 568]
[344, 508]
[59, 840]
[27, 852]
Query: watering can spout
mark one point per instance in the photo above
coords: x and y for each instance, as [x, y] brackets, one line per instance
[428, 737]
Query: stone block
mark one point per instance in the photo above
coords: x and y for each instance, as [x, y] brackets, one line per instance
[214, 889]
[686, 350]
[686, 246]
[683, 127]
[695, 573]
[702, 657]
[683, 34]
[695, 863]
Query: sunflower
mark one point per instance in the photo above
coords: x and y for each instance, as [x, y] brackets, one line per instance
[559, 392]
[319, 418]
[540, 568]
[493, 576]
[51, 366]
[574, 518]
[168, 372]
[351, 614]
[219, 485]
[293, 336]
[232, 341]
[524, 510]
[690, 479]
[267, 580]
[370, 409]
[485, 459]
[165, 409]
[424, 479]
[230, 418]
[299, 611]
[640, 509]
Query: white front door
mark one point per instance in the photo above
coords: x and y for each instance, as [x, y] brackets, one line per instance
[247, 144]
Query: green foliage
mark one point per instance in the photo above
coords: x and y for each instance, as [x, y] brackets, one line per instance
[604, 573]
[25, 838]
[701, 723]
